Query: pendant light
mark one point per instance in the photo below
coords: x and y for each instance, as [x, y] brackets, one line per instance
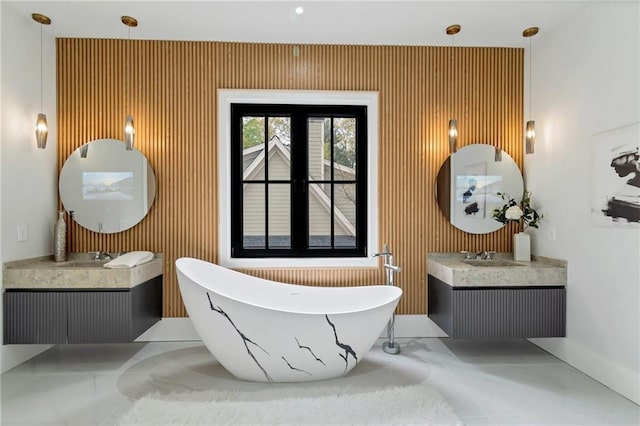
[530, 130]
[41, 122]
[452, 30]
[129, 129]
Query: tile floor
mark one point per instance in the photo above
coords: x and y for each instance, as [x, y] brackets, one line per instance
[497, 383]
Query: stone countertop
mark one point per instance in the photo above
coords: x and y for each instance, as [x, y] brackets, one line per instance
[541, 271]
[79, 272]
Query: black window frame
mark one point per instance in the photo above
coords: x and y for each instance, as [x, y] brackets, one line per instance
[300, 115]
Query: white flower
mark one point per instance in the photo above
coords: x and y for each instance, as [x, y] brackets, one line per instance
[513, 213]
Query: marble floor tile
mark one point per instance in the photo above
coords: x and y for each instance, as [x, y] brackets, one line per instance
[78, 398]
[497, 383]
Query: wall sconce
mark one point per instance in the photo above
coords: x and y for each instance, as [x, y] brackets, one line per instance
[129, 129]
[453, 135]
[129, 132]
[42, 131]
[530, 130]
[452, 30]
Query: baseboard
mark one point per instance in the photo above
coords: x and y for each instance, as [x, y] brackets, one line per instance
[181, 329]
[621, 379]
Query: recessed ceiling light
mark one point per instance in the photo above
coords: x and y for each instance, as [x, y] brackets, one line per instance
[299, 10]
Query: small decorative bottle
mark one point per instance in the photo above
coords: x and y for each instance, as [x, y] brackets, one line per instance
[60, 239]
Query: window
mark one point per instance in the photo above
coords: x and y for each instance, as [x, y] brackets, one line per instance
[299, 179]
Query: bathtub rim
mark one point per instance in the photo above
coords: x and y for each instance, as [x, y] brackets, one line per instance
[392, 289]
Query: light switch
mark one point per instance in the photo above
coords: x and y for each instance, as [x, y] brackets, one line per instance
[22, 232]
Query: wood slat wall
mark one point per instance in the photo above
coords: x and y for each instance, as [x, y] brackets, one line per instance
[173, 100]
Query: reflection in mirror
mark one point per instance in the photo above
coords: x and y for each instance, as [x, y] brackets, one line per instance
[108, 188]
[468, 184]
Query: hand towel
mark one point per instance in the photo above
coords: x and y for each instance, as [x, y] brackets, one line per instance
[129, 260]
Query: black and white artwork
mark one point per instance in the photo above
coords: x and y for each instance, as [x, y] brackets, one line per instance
[616, 177]
[470, 191]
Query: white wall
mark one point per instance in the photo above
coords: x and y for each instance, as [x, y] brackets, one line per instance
[585, 81]
[28, 177]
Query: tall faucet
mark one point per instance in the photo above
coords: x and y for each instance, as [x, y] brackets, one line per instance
[387, 263]
[389, 346]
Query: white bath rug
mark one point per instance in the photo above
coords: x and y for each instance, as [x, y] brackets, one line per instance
[409, 405]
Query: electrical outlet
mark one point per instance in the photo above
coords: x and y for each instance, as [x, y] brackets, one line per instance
[22, 232]
[551, 234]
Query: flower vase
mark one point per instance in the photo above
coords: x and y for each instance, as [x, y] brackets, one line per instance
[60, 239]
[522, 247]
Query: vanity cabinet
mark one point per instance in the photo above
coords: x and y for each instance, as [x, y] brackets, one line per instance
[497, 298]
[497, 312]
[71, 315]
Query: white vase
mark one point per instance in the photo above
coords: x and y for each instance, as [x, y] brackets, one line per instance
[522, 247]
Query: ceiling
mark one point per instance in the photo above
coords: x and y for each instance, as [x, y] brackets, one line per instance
[484, 23]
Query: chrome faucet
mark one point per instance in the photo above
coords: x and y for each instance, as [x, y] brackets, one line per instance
[482, 254]
[384, 253]
[388, 263]
[389, 346]
[486, 255]
[467, 254]
[102, 255]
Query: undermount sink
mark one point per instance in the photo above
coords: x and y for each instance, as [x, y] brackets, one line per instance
[492, 262]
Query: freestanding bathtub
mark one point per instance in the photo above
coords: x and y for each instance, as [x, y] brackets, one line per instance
[266, 331]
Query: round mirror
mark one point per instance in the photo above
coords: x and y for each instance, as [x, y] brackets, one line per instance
[468, 184]
[108, 188]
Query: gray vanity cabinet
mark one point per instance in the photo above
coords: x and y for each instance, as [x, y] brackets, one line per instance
[55, 316]
[35, 317]
[497, 312]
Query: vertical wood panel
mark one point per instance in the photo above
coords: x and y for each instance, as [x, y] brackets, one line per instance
[173, 100]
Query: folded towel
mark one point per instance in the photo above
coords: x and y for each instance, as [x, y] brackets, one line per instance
[129, 260]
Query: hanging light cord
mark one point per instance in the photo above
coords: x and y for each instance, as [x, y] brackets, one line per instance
[126, 73]
[530, 78]
[451, 92]
[41, 80]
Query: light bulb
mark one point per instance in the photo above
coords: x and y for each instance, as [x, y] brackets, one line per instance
[453, 134]
[41, 131]
[531, 130]
[129, 133]
[530, 137]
